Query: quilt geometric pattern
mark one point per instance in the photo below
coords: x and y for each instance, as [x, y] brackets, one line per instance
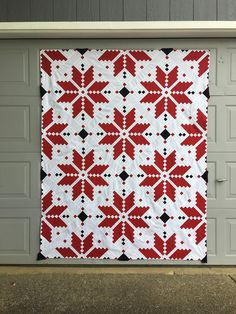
[124, 152]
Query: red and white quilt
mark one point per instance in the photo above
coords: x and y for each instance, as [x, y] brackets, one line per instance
[124, 139]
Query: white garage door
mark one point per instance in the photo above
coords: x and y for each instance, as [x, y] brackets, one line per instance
[20, 145]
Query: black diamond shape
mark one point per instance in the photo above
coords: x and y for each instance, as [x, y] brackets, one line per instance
[205, 176]
[123, 175]
[82, 216]
[124, 91]
[207, 93]
[40, 256]
[43, 174]
[164, 217]
[123, 257]
[83, 133]
[81, 51]
[42, 91]
[165, 134]
[167, 50]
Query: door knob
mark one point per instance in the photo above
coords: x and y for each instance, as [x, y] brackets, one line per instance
[221, 180]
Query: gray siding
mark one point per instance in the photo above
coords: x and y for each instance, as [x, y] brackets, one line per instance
[113, 11]
[226, 9]
[205, 10]
[64, 10]
[181, 10]
[40, 10]
[116, 10]
[135, 10]
[158, 10]
[18, 10]
[88, 10]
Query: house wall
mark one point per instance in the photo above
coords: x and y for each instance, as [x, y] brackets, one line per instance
[116, 10]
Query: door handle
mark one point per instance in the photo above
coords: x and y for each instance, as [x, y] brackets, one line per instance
[221, 180]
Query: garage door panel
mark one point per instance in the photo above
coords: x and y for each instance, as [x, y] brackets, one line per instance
[214, 83]
[214, 137]
[231, 180]
[221, 236]
[19, 69]
[19, 180]
[211, 236]
[211, 191]
[15, 180]
[224, 175]
[230, 236]
[14, 63]
[212, 111]
[231, 124]
[14, 123]
[20, 124]
[16, 242]
[229, 71]
[222, 126]
[19, 232]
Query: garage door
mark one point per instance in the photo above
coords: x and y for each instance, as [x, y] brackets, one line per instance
[20, 145]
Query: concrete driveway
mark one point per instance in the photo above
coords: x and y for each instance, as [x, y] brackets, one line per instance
[117, 290]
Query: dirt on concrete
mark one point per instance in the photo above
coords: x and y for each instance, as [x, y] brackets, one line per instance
[106, 292]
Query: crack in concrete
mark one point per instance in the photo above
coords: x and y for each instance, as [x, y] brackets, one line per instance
[232, 278]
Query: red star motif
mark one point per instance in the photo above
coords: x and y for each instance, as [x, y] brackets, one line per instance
[165, 249]
[83, 91]
[51, 215]
[201, 59]
[124, 60]
[83, 175]
[197, 134]
[47, 59]
[195, 216]
[82, 248]
[124, 133]
[166, 91]
[51, 133]
[124, 215]
[164, 176]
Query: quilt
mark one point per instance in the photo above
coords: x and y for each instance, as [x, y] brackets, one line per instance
[124, 153]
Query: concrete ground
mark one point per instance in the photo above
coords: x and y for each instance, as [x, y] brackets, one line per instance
[117, 290]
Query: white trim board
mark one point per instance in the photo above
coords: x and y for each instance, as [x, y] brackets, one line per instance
[168, 29]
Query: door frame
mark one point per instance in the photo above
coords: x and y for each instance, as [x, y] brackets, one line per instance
[145, 29]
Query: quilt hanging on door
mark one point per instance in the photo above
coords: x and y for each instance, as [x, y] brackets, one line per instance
[124, 139]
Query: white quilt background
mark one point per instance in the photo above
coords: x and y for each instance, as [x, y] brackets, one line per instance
[124, 153]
